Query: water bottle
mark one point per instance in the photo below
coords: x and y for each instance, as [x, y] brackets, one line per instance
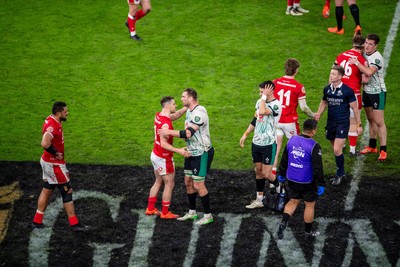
[281, 201]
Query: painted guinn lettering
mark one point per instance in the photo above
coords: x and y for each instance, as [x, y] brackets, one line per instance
[360, 232]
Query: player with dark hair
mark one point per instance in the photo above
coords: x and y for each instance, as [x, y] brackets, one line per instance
[374, 96]
[266, 117]
[339, 98]
[353, 78]
[339, 13]
[198, 142]
[301, 165]
[290, 94]
[162, 158]
[55, 173]
[135, 14]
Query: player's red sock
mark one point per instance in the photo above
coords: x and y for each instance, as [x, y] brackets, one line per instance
[328, 3]
[151, 203]
[73, 220]
[165, 207]
[38, 218]
[353, 139]
[131, 23]
[140, 14]
[289, 2]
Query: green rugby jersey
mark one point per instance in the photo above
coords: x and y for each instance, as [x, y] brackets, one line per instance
[200, 142]
[264, 132]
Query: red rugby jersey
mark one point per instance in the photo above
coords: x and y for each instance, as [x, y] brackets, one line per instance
[53, 127]
[159, 122]
[352, 74]
[288, 91]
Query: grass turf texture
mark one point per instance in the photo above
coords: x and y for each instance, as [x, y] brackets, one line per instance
[80, 53]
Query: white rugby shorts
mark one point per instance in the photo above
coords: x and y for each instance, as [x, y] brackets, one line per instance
[162, 165]
[136, 2]
[287, 129]
[359, 105]
[54, 173]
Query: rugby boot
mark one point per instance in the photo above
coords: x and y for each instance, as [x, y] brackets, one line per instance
[80, 228]
[326, 12]
[169, 216]
[368, 150]
[335, 30]
[205, 220]
[37, 225]
[136, 38]
[337, 180]
[382, 156]
[311, 234]
[188, 216]
[255, 204]
[152, 212]
[281, 229]
[357, 30]
[302, 10]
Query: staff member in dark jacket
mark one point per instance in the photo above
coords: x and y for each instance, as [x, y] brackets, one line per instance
[301, 163]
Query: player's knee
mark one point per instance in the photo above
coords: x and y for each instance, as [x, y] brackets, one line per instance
[66, 193]
[67, 198]
[189, 182]
[258, 171]
[147, 10]
[338, 152]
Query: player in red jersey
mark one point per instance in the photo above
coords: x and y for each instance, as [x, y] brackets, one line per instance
[135, 14]
[291, 94]
[352, 78]
[162, 158]
[55, 173]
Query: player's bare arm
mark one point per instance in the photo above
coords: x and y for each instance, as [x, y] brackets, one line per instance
[169, 147]
[178, 113]
[46, 144]
[187, 133]
[366, 69]
[321, 109]
[356, 111]
[305, 108]
[246, 133]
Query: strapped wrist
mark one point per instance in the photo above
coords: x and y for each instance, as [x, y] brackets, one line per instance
[51, 150]
[182, 134]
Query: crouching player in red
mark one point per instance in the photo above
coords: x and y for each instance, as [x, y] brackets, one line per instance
[162, 158]
[55, 173]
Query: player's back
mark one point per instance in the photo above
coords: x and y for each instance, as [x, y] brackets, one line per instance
[352, 74]
[288, 91]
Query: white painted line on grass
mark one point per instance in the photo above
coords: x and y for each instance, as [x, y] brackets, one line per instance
[358, 165]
